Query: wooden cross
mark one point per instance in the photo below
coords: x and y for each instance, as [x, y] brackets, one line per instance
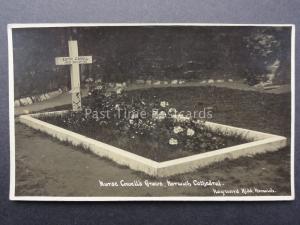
[74, 60]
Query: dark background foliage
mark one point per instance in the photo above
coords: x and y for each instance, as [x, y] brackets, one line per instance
[149, 52]
[206, 213]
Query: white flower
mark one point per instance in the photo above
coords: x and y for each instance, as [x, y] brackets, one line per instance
[172, 111]
[99, 87]
[152, 125]
[164, 104]
[117, 106]
[131, 121]
[190, 132]
[162, 115]
[178, 129]
[119, 91]
[173, 141]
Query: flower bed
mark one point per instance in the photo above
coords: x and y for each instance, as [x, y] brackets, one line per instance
[166, 134]
[147, 126]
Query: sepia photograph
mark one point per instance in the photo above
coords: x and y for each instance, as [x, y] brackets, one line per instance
[130, 112]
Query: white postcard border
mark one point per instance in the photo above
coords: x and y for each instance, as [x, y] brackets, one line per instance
[12, 195]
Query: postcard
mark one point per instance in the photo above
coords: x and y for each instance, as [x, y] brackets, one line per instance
[151, 112]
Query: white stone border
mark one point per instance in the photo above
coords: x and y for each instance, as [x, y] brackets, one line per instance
[37, 98]
[263, 142]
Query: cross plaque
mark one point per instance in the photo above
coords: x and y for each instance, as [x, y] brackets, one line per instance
[74, 60]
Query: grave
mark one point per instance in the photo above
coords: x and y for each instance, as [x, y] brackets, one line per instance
[260, 142]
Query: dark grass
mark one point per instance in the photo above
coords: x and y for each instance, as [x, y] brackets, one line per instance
[81, 148]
